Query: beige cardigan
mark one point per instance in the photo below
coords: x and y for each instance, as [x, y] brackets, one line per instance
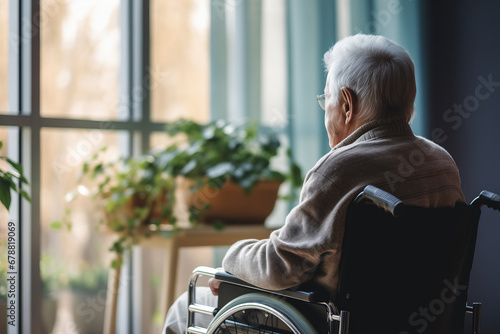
[308, 246]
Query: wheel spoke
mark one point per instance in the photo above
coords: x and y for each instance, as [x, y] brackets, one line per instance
[235, 327]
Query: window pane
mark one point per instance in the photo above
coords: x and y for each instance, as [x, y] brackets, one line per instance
[180, 59]
[80, 59]
[75, 262]
[4, 45]
[160, 140]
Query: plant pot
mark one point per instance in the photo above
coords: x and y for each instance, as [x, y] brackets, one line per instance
[232, 205]
[154, 208]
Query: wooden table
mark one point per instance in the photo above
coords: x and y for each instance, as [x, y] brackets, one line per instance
[202, 235]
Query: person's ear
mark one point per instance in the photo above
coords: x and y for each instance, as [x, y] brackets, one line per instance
[348, 104]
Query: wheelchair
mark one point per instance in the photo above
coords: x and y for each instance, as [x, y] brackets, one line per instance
[404, 270]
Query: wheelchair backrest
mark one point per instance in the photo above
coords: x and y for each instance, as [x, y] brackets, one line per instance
[408, 274]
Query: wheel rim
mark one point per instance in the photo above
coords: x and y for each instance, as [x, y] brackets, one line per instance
[252, 317]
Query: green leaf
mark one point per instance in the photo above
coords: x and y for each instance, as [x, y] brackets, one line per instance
[274, 175]
[219, 225]
[208, 133]
[219, 170]
[5, 197]
[13, 175]
[85, 167]
[25, 195]
[295, 175]
[23, 179]
[251, 131]
[97, 170]
[165, 159]
[248, 183]
[195, 147]
[189, 167]
[1, 144]
[118, 246]
[56, 225]
[8, 178]
[116, 263]
[17, 166]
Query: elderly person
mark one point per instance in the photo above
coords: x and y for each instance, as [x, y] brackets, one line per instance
[368, 102]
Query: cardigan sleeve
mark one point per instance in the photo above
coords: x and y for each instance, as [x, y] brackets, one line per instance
[292, 254]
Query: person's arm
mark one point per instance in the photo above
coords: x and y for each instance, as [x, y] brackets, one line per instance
[292, 254]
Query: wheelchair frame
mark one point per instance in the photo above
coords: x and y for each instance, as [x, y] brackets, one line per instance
[332, 318]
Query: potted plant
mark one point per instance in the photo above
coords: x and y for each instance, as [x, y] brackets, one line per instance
[228, 169]
[134, 194]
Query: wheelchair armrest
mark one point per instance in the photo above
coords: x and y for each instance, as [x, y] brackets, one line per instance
[307, 294]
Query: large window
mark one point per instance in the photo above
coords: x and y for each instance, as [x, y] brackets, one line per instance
[94, 91]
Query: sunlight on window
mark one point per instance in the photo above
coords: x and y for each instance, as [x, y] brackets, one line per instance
[80, 59]
[180, 59]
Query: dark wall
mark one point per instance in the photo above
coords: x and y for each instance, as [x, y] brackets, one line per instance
[462, 43]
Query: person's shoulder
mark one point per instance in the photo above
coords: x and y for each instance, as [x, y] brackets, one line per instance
[336, 159]
[362, 153]
[429, 146]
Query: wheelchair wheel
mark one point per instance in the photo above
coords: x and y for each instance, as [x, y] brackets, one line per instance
[259, 313]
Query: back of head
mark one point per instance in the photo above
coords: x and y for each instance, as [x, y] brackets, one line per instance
[379, 72]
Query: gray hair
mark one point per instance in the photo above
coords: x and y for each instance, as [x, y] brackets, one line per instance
[379, 72]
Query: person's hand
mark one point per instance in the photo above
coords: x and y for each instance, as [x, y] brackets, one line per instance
[213, 284]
